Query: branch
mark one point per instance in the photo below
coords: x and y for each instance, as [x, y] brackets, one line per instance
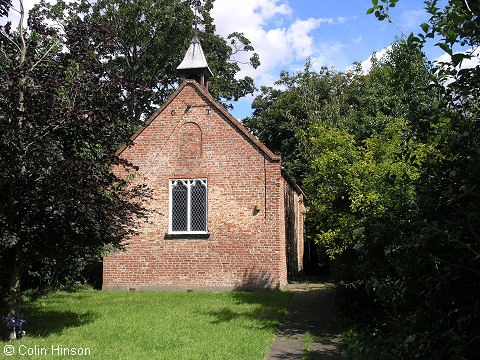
[23, 78]
[456, 265]
[236, 49]
[240, 62]
[44, 55]
[469, 342]
[45, 131]
[393, 22]
[22, 35]
[468, 7]
[13, 42]
[471, 11]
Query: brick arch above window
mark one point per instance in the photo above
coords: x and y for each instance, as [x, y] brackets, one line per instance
[190, 141]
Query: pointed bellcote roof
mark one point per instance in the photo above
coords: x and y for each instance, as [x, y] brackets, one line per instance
[194, 65]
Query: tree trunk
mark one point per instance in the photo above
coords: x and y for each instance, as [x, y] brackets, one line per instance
[14, 294]
[23, 78]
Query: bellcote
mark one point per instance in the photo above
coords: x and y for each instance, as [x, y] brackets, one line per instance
[194, 65]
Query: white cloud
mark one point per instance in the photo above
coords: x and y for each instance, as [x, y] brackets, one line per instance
[277, 37]
[247, 15]
[282, 40]
[445, 58]
[270, 8]
[410, 20]
[331, 54]
[367, 64]
[297, 35]
[251, 17]
[344, 20]
[474, 61]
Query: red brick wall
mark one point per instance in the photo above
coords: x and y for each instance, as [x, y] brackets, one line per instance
[294, 226]
[246, 248]
[299, 228]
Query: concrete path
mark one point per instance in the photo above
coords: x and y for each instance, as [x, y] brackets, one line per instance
[310, 329]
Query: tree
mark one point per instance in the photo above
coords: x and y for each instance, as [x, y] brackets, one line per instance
[388, 167]
[61, 118]
[153, 37]
[4, 7]
[416, 278]
[302, 99]
[397, 86]
[456, 24]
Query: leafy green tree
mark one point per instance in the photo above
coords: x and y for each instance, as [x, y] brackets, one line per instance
[389, 164]
[457, 24]
[397, 86]
[153, 37]
[417, 278]
[298, 101]
[4, 7]
[61, 118]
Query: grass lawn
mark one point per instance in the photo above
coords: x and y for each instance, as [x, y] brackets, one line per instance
[151, 325]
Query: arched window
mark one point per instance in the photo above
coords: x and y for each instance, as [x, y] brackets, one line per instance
[188, 206]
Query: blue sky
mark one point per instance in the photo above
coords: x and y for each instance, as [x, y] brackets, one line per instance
[331, 33]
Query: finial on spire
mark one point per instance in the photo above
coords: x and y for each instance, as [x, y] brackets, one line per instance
[195, 19]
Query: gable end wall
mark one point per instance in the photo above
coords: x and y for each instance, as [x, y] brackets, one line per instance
[192, 138]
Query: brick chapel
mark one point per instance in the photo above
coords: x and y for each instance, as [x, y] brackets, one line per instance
[224, 213]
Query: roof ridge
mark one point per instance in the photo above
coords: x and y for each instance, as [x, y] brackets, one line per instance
[257, 143]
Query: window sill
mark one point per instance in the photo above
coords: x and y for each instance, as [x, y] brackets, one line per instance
[187, 236]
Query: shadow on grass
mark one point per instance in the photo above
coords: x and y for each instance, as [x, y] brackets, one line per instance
[266, 315]
[257, 288]
[72, 291]
[43, 323]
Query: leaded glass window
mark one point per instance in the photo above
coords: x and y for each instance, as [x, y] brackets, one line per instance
[198, 204]
[179, 206]
[188, 206]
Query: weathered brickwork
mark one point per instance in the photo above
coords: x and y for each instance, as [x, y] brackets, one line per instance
[190, 137]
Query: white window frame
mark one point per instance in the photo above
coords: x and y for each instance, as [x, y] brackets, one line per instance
[188, 183]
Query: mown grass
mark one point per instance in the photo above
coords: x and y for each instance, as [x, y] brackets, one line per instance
[153, 325]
